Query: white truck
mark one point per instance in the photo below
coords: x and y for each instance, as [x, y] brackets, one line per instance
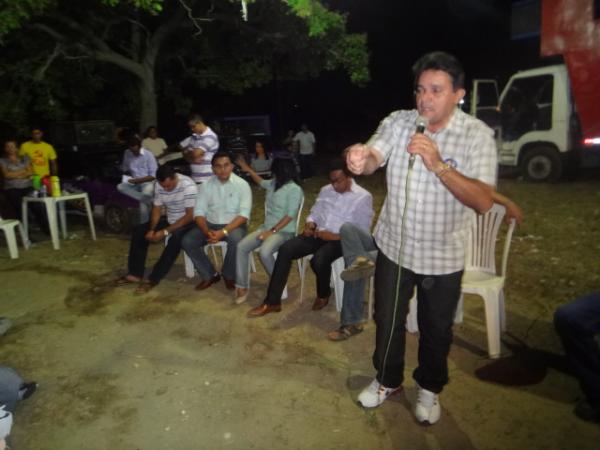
[536, 121]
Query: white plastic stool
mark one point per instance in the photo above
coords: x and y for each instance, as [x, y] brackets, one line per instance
[8, 227]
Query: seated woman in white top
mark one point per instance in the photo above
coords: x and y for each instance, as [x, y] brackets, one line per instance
[283, 200]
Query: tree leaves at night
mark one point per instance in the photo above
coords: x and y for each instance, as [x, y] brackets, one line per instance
[60, 56]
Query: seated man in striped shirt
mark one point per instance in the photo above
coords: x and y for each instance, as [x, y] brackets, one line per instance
[199, 148]
[177, 193]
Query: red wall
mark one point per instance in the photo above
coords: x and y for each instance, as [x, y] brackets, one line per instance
[569, 28]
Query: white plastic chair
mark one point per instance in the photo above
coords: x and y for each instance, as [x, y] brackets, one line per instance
[480, 275]
[8, 227]
[336, 283]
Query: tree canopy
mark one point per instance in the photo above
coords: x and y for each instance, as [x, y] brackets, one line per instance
[63, 57]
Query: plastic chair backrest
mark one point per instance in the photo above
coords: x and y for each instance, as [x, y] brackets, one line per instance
[481, 244]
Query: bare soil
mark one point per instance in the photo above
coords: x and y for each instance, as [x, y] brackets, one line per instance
[178, 369]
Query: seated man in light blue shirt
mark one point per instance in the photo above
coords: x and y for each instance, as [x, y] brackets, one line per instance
[222, 211]
[339, 202]
[140, 166]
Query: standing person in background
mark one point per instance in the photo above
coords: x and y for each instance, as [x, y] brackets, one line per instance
[436, 178]
[155, 144]
[306, 141]
[139, 167]
[41, 154]
[199, 148]
[16, 171]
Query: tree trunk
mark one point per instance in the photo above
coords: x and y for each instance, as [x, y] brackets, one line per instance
[148, 105]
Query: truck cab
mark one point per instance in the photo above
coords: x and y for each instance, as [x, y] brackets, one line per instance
[535, 119]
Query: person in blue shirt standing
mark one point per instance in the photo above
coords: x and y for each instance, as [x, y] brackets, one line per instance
[222, 212]
[139, 166]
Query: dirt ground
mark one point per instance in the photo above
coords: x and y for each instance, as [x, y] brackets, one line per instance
[178, 369]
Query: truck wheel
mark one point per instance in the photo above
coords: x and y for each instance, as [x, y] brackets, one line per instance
[542, 164]
[116, 219]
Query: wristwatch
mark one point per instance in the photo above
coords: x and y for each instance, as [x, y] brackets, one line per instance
[166, 232]
[274, 230]
[225, 232]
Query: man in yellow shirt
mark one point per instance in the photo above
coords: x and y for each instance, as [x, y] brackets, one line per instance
[41, 154]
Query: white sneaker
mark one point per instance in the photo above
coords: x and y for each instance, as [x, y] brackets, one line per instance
[375, 394]
[427, 409]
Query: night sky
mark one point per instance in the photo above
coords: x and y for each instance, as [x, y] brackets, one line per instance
[399, 31]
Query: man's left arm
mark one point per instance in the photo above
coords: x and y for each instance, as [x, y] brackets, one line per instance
[469, 191]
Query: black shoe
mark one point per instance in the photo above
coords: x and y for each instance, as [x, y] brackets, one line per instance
[27, 389]
[586, 412]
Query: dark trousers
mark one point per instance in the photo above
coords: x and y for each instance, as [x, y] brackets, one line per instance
[138, 250]
[324, 253]
[15, 198]
[437, 297]
[578, 325]
[306, 165]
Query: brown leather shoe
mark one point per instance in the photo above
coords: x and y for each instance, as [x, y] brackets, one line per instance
[204, 284]
[229, 284]
[263, 309]
[320, 303]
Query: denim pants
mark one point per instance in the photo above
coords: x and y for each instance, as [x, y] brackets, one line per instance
[437, 297]
[324, 253]
[138, 250]
[143, 193]
[578, 325]
[355, 242]
[193, 244]
[266, 253]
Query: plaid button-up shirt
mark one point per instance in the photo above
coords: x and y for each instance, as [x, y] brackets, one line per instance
[436, 223]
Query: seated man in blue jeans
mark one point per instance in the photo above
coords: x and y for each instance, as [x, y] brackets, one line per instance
[222, 211]
[578, 325]
[140, 166]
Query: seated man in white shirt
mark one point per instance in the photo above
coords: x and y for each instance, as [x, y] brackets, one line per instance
[339, 202]
[222, 211]
[139, 167]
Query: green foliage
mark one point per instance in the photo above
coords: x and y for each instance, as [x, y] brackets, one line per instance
[60, 56]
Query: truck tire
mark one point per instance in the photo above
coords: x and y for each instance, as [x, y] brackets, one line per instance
[542, 164]
[117, 219]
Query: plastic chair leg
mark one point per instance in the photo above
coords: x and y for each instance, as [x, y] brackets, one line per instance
[190, 271]
[11, 240]
[492, 323]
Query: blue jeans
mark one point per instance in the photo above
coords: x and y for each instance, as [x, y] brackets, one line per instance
[193, 244]
[266, 254]
[143, 193]
[578, 325]
[355, 242]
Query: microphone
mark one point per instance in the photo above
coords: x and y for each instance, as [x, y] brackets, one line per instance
[421, 125]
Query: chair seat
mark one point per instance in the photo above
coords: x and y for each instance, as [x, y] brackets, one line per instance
[478, 278]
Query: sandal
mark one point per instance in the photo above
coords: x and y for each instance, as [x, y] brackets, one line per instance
[344, 332]
[122, 281]
[144, 287]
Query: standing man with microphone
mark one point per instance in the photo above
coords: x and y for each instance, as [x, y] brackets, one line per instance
[439, 170]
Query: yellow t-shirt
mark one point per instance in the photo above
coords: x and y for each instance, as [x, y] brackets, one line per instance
[40, 154]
